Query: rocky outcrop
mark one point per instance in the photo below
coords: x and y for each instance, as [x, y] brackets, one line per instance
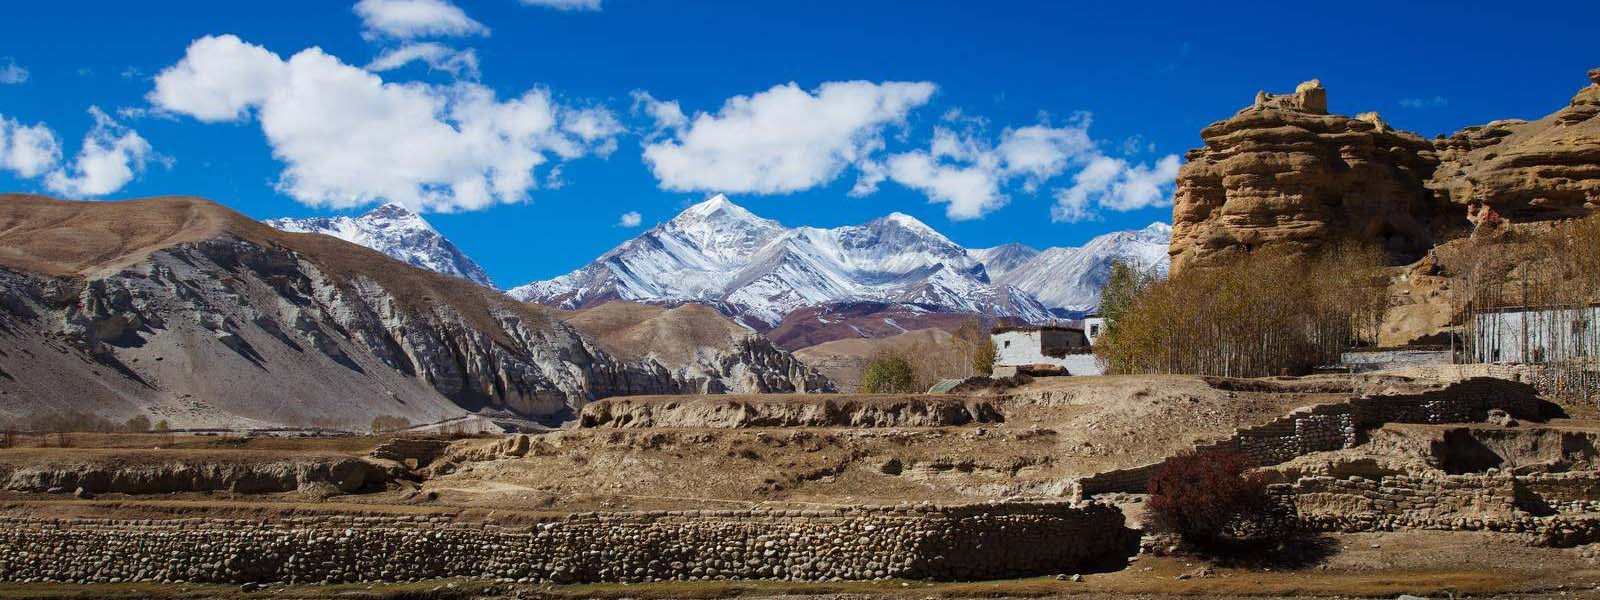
[788, 411]
[1526, 170]
[753, 366]
[1285, 174]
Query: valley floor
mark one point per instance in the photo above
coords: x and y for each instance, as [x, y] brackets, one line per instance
[1037, 439]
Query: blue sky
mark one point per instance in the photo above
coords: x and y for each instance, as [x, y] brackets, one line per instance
[942, 89]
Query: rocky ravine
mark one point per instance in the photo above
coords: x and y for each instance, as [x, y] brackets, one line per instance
[1284, 173]
[185, 311]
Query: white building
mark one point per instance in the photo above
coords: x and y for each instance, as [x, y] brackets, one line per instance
[1043, 349]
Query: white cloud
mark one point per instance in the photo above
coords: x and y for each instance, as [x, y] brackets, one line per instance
[782, 140]
[12, 73]
[112, 155]
[1424, 103]
[1115, 184]
[969, 174]
[667, 115]
[565, 4]
[438, 57]
[405, 19]
[27, 150]
[348, 138]
[630, 219]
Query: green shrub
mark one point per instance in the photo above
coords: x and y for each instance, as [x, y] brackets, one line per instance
[888, 373]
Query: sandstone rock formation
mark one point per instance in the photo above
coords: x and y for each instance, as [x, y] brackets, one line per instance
[1526, 170]
[1284, 173]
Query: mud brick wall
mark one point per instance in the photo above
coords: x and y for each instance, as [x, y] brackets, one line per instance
[1342, 425]
[964, 542]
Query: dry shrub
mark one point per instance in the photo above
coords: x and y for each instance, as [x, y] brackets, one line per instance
[1534, 264]
[1266, 314]
[1202, 496]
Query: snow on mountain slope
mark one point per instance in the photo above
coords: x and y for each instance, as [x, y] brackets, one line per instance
[1004, 258]
[1070, 279]
[396, 231]
[718, 252]
[759, 271]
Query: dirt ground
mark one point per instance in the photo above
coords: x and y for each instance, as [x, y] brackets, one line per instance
[1054, 431]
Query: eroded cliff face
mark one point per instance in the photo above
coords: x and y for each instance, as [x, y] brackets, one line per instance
[261, 336]
[1526, 170]
[1283, 173]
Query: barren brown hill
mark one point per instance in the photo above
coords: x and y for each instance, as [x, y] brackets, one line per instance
[844, 360]
[695, 341]
[183, 310]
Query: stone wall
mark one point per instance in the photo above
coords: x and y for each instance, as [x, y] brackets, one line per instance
[927, 542]
[1551, 508]
[1327, 427]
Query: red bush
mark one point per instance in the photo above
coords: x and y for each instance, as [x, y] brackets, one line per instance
[1200, 496]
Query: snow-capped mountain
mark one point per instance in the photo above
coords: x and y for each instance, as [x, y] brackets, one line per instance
[757, 269]
[1070, 279]
[396, 231]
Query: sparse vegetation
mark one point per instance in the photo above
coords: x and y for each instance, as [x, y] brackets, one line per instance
[137, 424]
[889, 373]
[384, 423]
[1267, 314]
[1201, 496]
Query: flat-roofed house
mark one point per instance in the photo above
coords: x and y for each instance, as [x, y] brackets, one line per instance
[1043, 350]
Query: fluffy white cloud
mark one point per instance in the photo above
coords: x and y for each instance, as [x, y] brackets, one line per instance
[630, 219]
[782, 140]
[27, 150]
[112, 155]
[407, 19]
[439, 57]
[968, 174]
[1115, 184]
[971, 175]
[219, 79]
[12, 73]
[348, 138]
[565, 4]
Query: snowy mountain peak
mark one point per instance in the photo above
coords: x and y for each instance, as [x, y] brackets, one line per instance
[760, 271]
[717, 208]
[398, 232]
[909, 222]
[1158, 228]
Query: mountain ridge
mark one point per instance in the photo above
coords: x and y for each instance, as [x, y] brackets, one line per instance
[759, 271]
[398, 232]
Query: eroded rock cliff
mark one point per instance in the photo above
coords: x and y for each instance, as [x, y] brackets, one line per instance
[1283, 173]
[1526, 170]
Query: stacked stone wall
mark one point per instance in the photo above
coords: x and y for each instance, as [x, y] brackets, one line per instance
[966, 542]
[1550, 508]
[1342, 425]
